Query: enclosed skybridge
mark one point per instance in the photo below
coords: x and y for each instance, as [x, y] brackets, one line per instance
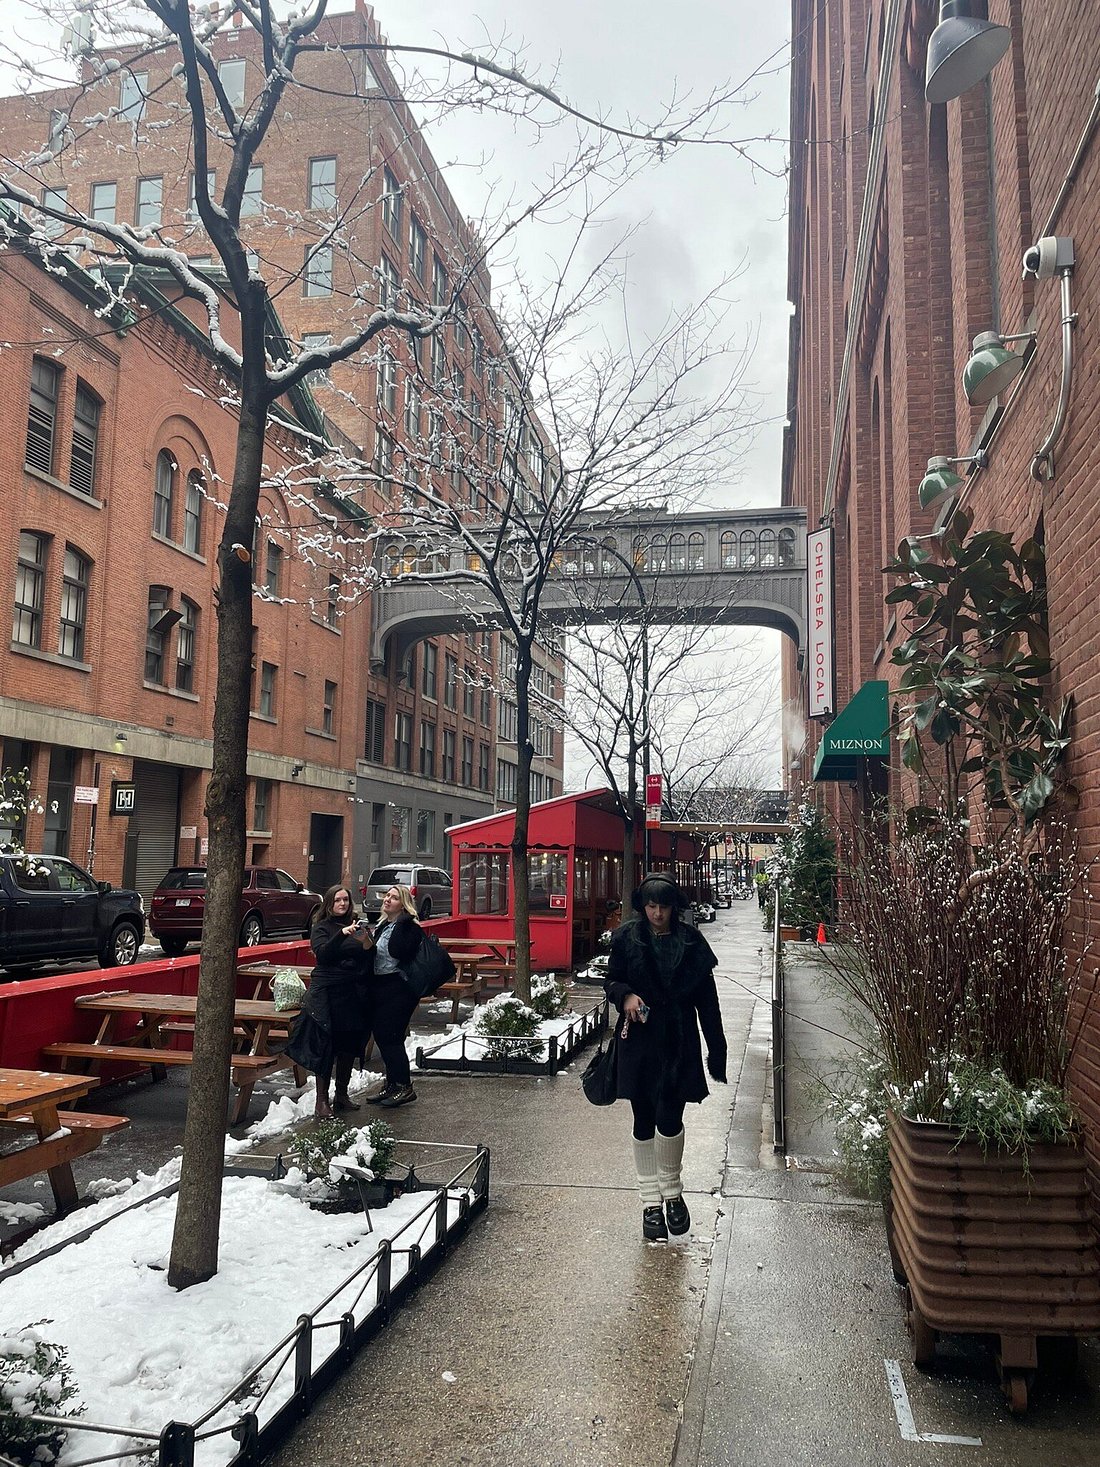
[715, 568]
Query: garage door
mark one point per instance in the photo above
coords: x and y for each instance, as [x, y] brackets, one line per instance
[151, 838]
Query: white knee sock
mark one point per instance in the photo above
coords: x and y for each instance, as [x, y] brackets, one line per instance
[669, 1151]
[645, 1164]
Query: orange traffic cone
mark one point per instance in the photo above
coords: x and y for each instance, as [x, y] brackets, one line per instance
[821, 932]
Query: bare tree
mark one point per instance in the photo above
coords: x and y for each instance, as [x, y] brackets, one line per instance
[224, 133]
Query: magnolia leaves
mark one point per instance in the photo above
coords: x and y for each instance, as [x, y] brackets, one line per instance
[976, 660]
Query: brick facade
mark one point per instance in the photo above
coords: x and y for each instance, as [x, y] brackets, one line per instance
[961, 192]
[349, 111]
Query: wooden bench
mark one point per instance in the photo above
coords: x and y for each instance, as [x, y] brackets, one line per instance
[85, 1130]
[456, 991]
[498, 975]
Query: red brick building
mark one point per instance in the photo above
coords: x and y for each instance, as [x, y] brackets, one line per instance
[434, 734]
[909, 222]
[113, 470]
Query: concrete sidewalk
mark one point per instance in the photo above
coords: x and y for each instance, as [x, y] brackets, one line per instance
[554, 1337]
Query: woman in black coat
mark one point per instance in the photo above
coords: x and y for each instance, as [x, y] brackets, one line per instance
[660, 977]
[392, 1002]
[333, 1027]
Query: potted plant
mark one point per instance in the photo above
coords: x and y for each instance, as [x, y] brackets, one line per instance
[964, 937]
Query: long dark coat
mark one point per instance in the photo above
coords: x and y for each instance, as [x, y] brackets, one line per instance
[662, 1059]
[334, 1018]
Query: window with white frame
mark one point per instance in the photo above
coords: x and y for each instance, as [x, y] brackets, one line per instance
[389, 283]
[387, 382]
[440, 285]
[418, 248]
[150, 200]
[383, 453]
[192, 512]
[268, 680]
[412, 410]
[328, 708]
[317, 276]
[104, 202]
[322, 184]
[192, 203]
[231, 76]
[313, 340]
[391, 204]
[252, 199]
[132, 91]
[55, 198]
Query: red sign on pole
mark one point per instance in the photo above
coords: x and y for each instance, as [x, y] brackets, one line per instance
[654, 799]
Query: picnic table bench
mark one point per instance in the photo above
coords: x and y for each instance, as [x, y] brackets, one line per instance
[30, 1100]
[255, 1024]
[468, 982]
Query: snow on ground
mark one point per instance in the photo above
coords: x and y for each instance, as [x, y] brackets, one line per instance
[143, 1354]
[466, 1039]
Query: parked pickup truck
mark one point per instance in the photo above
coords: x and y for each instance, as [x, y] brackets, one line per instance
[51, 910]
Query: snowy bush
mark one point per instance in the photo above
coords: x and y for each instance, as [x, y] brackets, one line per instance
[511, 1028]
[548, 997]
[34, 1381]
[370, 1147]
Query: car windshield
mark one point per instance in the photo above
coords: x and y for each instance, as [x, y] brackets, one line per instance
[185, 878]
[390, 876]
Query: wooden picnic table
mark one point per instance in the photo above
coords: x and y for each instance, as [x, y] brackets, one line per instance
[468, 981]
[30, 1099]
[255, 1023]
[499, 949]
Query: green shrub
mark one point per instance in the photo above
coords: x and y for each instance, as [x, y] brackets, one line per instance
[548, 997]
[34, 1380]
[371, 1146]
[510, 1027]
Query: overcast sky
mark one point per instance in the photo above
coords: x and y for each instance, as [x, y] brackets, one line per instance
[695, 219]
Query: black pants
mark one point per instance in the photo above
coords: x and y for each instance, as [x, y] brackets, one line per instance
[650, 1117]
[391, 1007]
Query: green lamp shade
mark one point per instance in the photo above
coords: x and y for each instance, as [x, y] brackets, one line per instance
[961, 51]
[937, 483]
[990, 369]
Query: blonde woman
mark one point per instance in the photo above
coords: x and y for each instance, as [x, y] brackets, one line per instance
[391, 1002]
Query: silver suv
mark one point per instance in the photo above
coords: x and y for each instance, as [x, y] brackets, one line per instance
[430, 887]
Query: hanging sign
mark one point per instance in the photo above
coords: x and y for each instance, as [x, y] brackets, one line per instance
[86, 794]
[654, 800]
[821, 700]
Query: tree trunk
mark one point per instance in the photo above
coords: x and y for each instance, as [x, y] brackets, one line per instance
[521, 884]
[198, 1213]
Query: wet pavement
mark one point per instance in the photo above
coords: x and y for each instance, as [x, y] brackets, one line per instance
[555, 1336]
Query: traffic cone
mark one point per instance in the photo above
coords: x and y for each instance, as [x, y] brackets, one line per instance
[821, 932]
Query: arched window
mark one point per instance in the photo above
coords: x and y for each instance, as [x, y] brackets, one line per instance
[677, 553]
[609, 557]
[590, 560]
[747, 549]
[658, 553]
[766, 547]
[640, 552]
[728, 549]
[393, 561]
[192, 512]
[164, 489]
[786, 547]
[695, 551]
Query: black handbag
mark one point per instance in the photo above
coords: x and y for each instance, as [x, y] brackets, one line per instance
[598, 1079]
[429, 966]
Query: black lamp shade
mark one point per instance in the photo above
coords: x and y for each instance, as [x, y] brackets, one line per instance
[961, 51]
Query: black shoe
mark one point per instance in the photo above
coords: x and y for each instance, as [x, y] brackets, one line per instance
[653, 1225]
[398, 1095]
[679, 1219]
[376, 1097]
[343, 1103]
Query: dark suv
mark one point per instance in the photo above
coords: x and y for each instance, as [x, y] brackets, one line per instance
[52, 910]
[273, 904]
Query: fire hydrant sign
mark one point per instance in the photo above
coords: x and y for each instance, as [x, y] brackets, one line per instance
[821, 700]
[654, 799]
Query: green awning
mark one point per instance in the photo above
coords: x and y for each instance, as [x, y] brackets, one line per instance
[859, 730]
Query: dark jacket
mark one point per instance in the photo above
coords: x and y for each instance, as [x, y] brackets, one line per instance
[334, 1016]
[662, 1059]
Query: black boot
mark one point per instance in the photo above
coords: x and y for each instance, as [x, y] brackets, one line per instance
[343, 1101]
[679, 1219]
[653, 1225]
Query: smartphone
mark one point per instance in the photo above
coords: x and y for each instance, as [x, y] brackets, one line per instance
[642, 1014]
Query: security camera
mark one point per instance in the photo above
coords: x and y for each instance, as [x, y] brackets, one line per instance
[1048, 257]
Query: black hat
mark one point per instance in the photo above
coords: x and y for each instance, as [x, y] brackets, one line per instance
[657, 887]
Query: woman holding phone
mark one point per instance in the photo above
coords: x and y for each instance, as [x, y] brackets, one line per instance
[660, 977]
[392, 1002]
[332, 1028]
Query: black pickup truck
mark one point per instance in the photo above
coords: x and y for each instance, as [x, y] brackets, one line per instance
[51, 910]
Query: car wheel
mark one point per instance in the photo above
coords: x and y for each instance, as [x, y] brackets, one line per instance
[172, 946]
[310, 921]
[425, 908]
[252, 931]
[122, 950]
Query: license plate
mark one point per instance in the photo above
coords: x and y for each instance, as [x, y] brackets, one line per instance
[183, 901]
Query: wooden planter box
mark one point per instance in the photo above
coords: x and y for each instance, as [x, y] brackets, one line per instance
[982, 1245]
[790, 934]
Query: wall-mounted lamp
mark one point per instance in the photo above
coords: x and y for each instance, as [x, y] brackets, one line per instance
[991, 369]
[1050, 256]
[166, 621]
[962, 51]
[940, 479]
[296, 768]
